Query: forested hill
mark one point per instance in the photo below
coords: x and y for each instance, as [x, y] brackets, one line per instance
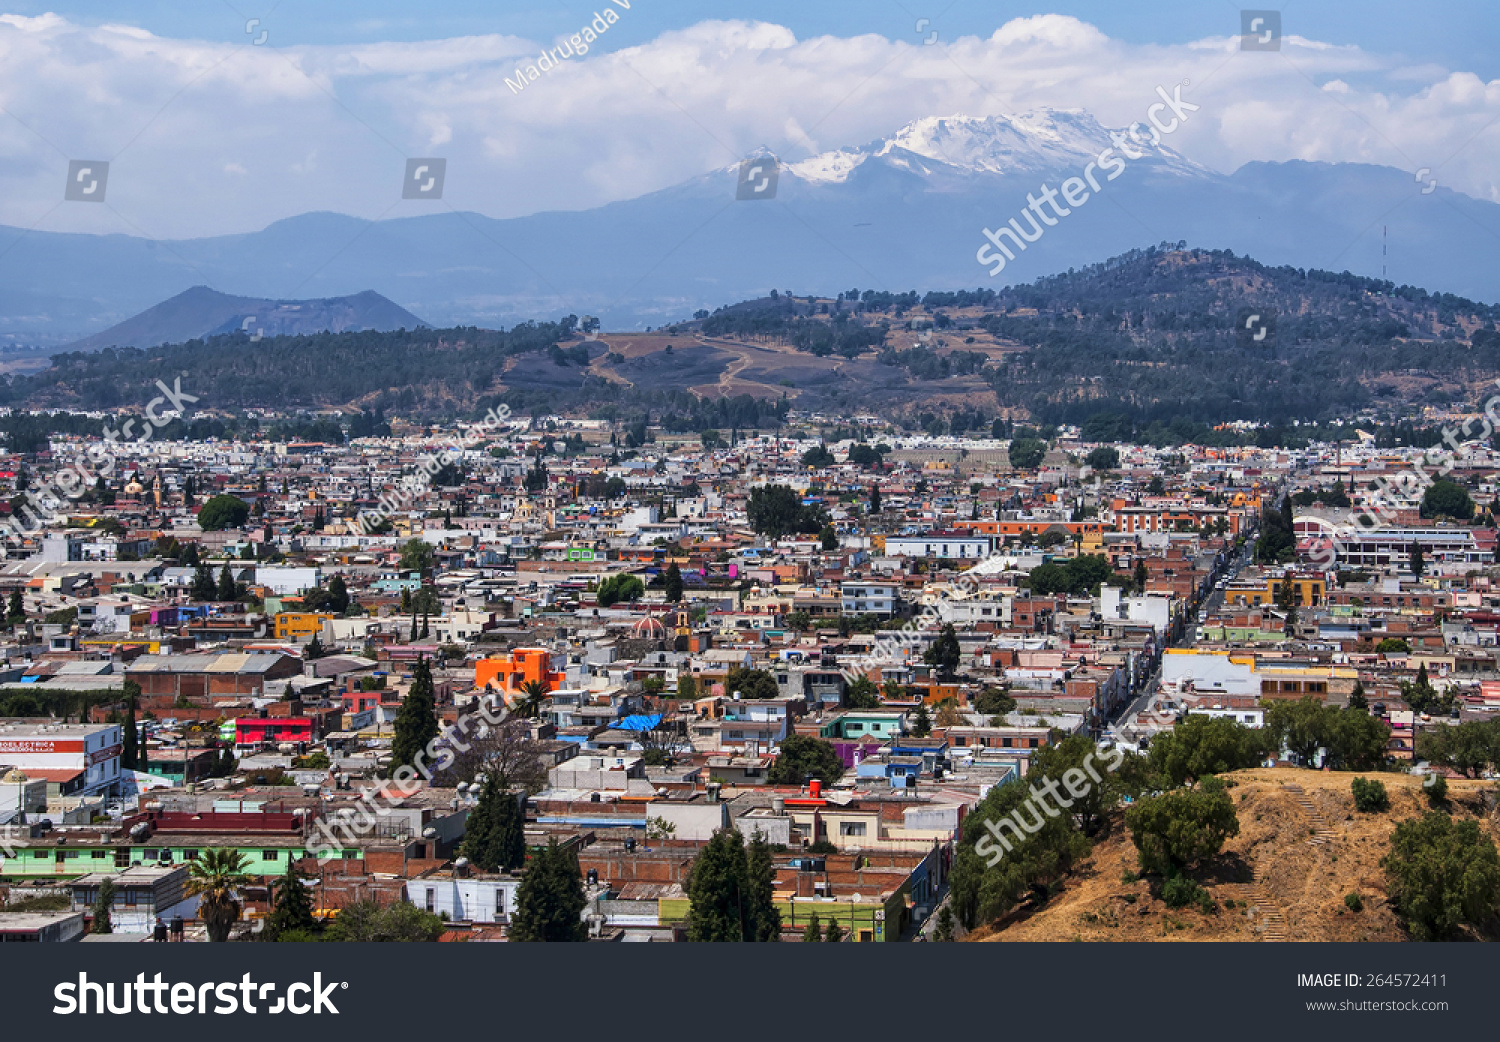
[1144, 341]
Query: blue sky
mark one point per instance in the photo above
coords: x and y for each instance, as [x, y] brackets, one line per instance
[1461, 34]
[208, 133]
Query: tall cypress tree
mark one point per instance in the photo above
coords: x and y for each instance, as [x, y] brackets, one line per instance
[131, 737]
[762, 919]
[550, 900]
[226, 591]
[716, 889]
[494, 837]
[103, 923]
[293, 904]
[674, 583]
[16, 610]
[416, 721]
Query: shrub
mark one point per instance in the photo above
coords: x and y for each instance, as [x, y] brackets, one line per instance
[1180, 891]
[1442, 876]
[1437, 788]
[1354, 903]
[1370, 796]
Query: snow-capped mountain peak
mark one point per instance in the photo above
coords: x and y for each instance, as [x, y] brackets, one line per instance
[1034, 141]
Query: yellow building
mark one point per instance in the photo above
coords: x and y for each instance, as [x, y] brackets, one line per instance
[1310, 591]
[299, 625]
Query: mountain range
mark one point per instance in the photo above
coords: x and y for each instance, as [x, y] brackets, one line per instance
[903, 212]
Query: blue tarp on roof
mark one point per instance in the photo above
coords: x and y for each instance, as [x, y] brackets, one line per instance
[639, 722]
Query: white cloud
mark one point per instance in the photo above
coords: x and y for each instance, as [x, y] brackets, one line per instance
[321, 128]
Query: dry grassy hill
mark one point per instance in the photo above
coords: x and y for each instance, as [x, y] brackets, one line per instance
[1302, 847]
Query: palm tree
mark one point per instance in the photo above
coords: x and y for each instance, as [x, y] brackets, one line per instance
[214, 878]
[535, 694]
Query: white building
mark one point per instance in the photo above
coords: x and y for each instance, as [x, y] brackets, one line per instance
[81, 759]
[469, 899]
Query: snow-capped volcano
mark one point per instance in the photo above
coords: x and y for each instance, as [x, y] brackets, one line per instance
[1038, 141]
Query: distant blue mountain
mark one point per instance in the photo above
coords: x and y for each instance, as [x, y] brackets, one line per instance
[904, 212]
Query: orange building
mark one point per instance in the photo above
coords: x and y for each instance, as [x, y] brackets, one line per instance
[513, 672]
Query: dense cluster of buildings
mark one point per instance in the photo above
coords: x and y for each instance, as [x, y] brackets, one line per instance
[502, 573]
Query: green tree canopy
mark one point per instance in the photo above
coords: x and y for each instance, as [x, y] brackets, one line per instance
[221, 512]
[776, 511]
[550, 900]
[1027, 453]
[292, 904]
[802, 755]
[494, 836]
[1445, 498]
[1443, 876]
[620, 587]
[1202, 745]
[1182, 828]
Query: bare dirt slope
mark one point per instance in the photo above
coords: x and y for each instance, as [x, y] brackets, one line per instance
[1302, 847]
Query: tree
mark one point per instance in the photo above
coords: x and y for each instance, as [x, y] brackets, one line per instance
[1418, 562]
[129, 748]
[1445, 498]
[687, 686]
[1182, 828]
[861, 693]
[1370, 796]
[828, 539]
[1471, 748]
[15, 613]
[874, 499]
[102, 905]
[1142, 576]
[776, 510]
[1203, 745]
[504, 750]
[752, 684]
[762, 919]
[314, 649]
[416, 720]
[802, 755]
[944, 930]
[812, 933]
[416, 556]
[710, 439]
[534, 697]
[550, 900]
[673, 583]
[817, 456]
[994, 701]
[835, 932]
[226, 590]
[1012, 846]
[203, 584]
[620, 587]
[1442, 875]
[717, 890]
[221, 512]
[494, 835]
[945, 653]
[1027, 453]
[1350, 738]
[338, 595]
[367, 922]
[292, 908]
[1105, 457]
[1357, 699]
[921, 726]
[215, 878]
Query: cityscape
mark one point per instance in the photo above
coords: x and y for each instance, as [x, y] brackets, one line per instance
[507, 561]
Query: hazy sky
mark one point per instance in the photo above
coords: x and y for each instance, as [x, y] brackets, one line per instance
[209, 132]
